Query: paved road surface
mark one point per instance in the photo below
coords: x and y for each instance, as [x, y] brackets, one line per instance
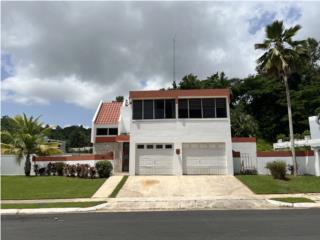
[252, 224]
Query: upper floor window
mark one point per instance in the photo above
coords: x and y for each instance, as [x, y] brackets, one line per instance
[202, 108]
[107, 131]
[153, 109]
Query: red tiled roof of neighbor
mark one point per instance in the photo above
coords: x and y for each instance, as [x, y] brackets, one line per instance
[244, 139]
[107, 156]
[119, 138]
[284, 154]
[224, 92]
[109, 113]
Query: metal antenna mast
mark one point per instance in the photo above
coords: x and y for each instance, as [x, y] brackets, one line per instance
[174, 59]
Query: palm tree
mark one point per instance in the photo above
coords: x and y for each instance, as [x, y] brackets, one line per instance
[26, 138]
[281, 58]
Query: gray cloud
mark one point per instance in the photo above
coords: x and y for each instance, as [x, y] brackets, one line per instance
[108, 48]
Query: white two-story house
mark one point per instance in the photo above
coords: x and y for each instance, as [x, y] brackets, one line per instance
[167, 132]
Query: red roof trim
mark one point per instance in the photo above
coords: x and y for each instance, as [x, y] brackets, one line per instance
[284, 154]
[243, 139]
[123, 138]
[107, 156]
[105, 139]
[224, 92]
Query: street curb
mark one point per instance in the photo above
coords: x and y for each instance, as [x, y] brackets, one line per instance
[293, 205]
[51, 210]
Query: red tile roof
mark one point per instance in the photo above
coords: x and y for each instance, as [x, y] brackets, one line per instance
[224, 92]
[109, 113]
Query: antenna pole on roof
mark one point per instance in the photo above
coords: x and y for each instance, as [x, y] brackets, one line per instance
[174, 59]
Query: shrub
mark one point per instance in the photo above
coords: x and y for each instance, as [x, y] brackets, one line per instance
[104, 169]
[249, 172]
[59, 166]
[92, 172]
[277, 169]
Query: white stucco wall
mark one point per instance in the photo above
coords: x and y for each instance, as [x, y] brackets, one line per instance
[10, 166]
[179, 131]
[306, 164]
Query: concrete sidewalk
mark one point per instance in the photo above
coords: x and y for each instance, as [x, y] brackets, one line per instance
[107, 187]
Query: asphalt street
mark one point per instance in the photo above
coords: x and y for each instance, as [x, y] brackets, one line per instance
[219, 224]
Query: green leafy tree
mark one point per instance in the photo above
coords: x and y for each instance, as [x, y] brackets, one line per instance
[27, 137]
[281, 58]
[119, 98]
[78, 139]
[242, 123]
[216, 81]
[190, 81]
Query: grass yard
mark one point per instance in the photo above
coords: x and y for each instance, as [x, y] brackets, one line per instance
[49, 205]
[47, 187]
[294, 200]
[267, 185]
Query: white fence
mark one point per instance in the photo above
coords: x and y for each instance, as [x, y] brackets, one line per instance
[10, 165]
[306, 164]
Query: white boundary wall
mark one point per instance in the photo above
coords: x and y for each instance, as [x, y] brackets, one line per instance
[306, 164]
[10, 166]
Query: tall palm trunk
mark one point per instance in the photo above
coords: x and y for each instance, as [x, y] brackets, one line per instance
[27, 165]
[293, 152]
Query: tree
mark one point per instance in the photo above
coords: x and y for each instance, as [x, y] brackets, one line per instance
[216, 81]
[281, 58]
[27, 137]
[78, 139]
[242, 123]
[190, 81]
[119, 98]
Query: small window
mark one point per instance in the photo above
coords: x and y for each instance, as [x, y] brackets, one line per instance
[102, 131]
[168, 146]
[183, 108]
[137, 109]
[159, 146]
[113, 131]
[140, 146]
[221, 106]
[170, 108]
[148, 109]
[149, 146]
[158, 109]
[195, 108]
[208, 106]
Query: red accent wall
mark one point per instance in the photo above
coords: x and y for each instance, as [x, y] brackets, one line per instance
[107, 156]
[284, 154]
[244, 139]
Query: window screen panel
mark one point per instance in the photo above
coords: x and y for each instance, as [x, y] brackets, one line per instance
[221, 107]
[209, 108]
[183, 108]
[159, 109]
[137, 109]
[170, 108]
[195, 108]
[148, 109]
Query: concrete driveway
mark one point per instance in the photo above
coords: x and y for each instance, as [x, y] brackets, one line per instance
[183, 186]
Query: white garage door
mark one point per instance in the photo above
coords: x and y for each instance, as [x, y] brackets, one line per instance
[154, 159]
[204, 158]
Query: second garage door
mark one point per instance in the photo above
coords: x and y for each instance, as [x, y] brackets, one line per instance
[154, 159]
[204, 158]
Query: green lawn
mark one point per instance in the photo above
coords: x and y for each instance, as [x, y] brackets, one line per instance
[21, 187]
[50, 205]
[294, 200]
[267, 185]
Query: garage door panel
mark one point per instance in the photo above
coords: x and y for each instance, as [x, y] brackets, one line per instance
[204, 159]
[154, 161]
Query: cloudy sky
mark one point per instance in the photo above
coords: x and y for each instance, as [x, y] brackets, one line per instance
[59, 59]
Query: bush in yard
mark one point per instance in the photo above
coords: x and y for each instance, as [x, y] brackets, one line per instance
[277, 169]
[104, 169]
[59, 168]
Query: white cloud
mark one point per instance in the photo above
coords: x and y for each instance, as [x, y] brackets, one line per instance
[81, 52]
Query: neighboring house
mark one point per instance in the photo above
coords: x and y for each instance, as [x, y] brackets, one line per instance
[167, 132]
